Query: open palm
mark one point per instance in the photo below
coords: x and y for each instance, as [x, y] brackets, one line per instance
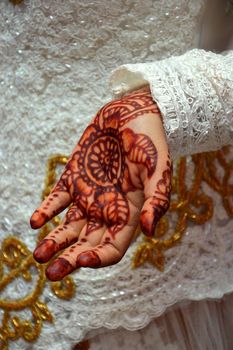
[118, 173]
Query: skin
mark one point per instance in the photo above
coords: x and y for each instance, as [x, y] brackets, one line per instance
[118, 174]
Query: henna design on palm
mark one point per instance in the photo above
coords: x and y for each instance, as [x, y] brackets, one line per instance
[104, 168]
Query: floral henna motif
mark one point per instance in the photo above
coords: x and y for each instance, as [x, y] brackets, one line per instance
[60, 186]
[98, 174]
[110, 207]
[97, 180]
[110, 162]
[103, 159]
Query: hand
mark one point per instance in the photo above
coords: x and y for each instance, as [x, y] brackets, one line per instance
[119, 171]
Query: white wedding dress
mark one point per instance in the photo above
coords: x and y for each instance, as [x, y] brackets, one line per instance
[55, 61]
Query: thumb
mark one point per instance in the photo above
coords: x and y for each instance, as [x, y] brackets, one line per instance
[157, 192]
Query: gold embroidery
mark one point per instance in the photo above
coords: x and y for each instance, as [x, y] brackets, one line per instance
[189, 204]
[16, 261]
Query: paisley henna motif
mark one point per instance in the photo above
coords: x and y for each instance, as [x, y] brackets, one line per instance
[140, 149]
[99, 165]
[99, 176]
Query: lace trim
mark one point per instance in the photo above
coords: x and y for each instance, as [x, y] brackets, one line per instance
[194, 93]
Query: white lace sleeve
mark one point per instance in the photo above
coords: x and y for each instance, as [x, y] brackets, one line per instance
[194, 93]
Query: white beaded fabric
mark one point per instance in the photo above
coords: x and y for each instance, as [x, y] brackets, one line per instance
[56, 57]
[194, 93]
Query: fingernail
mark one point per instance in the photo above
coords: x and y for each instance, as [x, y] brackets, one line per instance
[148, 225]
[58, 269]
[45, 250]
[38, 219]
[88, 259]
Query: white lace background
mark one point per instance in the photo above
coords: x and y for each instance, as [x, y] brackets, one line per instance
[55, 60]
[195, 325]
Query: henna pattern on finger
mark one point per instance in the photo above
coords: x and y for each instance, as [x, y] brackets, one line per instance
[48, 247]
[159, 203]
[163, 193]
[42, 216]
[62, 267]
[88, 259]
[38, 219]
[58, 269]
[45, 250]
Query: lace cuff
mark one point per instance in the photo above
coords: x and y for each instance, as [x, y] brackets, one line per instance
[194, 93]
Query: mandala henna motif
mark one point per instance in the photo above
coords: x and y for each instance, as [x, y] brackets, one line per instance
[99, 166]
[104, 160]
[98, 175]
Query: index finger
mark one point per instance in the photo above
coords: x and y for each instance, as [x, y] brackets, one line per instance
[56, 202]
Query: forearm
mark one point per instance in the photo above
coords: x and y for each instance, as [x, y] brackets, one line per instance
[194, 93]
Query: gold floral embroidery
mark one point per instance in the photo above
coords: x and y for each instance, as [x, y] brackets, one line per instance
[16, 261]
[189, 204]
